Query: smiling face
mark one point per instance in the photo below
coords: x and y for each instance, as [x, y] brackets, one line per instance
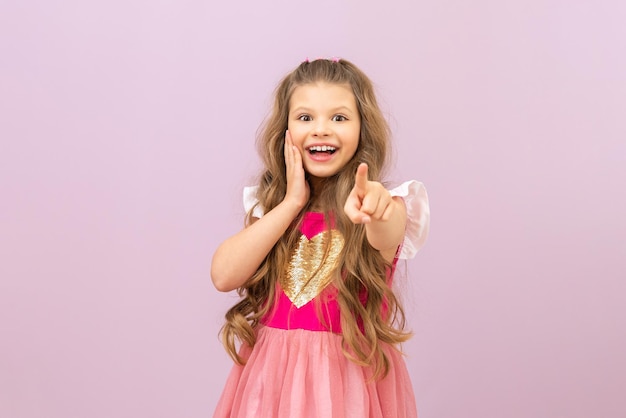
[325, 125]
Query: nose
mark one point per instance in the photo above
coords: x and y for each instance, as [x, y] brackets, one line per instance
[321, 128]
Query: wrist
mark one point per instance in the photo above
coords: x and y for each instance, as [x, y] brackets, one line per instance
[292, 206]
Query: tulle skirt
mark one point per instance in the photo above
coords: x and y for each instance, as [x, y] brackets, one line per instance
[301, 373]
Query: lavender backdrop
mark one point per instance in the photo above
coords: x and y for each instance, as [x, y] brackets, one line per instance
[127, 132]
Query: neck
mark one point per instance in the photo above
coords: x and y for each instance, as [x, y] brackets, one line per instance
[323, 193]
[316, 185]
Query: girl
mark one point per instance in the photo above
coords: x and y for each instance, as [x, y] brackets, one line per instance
[318, 321]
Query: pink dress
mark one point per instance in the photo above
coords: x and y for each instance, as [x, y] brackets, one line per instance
[297, 367]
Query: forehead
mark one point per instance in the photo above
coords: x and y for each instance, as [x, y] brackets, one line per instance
[322, 95]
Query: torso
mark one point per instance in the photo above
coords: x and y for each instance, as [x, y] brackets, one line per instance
[306, 297]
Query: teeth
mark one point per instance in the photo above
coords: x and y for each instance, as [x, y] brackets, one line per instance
[321, 148]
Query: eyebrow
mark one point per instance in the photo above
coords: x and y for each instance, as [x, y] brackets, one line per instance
[334, 110]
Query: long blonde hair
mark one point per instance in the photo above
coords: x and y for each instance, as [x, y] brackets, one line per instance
[361, 268]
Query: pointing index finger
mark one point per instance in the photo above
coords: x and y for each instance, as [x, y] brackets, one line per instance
[360, 181]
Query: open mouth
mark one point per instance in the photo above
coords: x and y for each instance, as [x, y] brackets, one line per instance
[322, 149]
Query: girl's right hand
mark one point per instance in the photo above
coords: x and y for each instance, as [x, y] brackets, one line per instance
[298, 190]
[240, 256]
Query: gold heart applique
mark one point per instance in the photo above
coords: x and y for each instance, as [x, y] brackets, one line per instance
[308, 272]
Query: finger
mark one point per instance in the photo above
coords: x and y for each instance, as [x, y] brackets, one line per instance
[353, 213]
[369, 204]
[381, 208]
[297, 157]
[388, 212]
[375, 200]
[288, 149]
[352, 209]
[360, 180]
[357, 217]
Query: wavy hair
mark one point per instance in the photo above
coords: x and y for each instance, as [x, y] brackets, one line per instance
[361, 268]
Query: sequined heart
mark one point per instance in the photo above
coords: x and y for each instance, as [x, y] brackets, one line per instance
[309, 270]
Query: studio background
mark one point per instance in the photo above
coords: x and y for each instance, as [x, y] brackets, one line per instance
[127, 132]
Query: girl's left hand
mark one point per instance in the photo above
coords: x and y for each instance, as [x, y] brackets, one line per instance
[369, 200]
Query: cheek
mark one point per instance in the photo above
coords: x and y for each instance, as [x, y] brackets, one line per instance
[297, 136]
[356, 139]
[352, 134]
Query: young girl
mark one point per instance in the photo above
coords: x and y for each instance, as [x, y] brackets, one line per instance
[318, 321]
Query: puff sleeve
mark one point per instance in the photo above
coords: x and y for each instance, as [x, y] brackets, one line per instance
[418, 216]
[250, 200]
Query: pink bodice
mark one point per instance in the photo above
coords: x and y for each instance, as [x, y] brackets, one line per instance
[306, 297]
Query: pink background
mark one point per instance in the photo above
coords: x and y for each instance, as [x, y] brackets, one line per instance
[127, 132]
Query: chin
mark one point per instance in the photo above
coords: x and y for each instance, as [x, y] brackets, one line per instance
[322, 174]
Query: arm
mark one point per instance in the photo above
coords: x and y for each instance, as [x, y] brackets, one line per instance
[239, 257]
[384, 217]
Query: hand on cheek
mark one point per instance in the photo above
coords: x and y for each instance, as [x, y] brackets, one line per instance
[297, 186]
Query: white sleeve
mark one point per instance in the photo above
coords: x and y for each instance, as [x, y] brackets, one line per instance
[418, 216]
[250, 199]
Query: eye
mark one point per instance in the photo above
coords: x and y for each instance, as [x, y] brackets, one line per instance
[305, 118]
[339, 118]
